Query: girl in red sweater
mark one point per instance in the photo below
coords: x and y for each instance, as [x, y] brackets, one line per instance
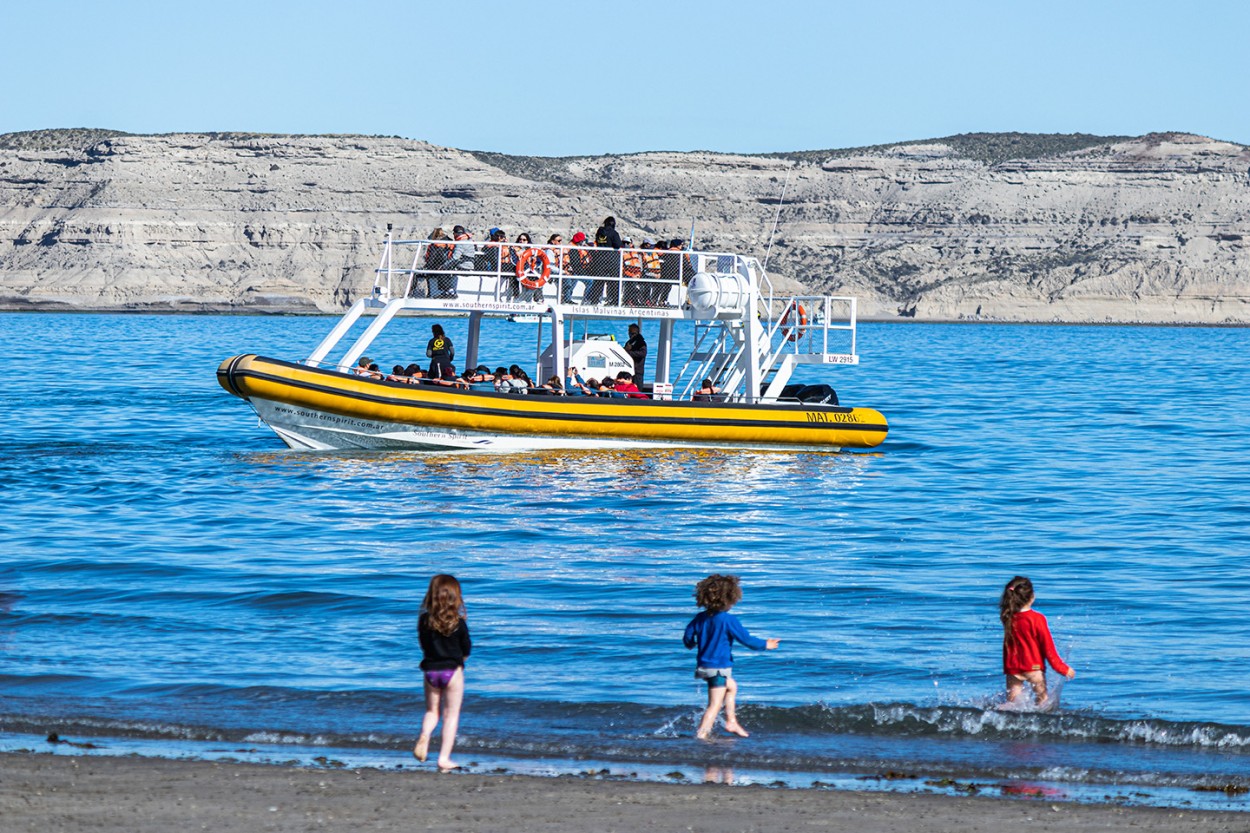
[1027, 645]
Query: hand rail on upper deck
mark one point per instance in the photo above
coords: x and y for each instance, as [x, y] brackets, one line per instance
[577, 276]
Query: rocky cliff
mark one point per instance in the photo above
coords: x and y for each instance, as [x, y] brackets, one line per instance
[998, 227]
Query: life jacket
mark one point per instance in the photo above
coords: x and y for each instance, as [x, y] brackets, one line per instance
[651, 263]
[437, 255]
[633, 263]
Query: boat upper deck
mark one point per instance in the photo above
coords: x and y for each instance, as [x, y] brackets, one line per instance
[747, 338]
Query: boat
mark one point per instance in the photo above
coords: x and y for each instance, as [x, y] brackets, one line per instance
[523, 318]
[742, 336]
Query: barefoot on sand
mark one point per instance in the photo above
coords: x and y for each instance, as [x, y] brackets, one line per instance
[449, 766]
[422, 749]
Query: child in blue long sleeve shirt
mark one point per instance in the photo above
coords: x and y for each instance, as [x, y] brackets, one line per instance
[713, 630]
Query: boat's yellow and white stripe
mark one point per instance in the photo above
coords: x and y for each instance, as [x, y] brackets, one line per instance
[699, 423]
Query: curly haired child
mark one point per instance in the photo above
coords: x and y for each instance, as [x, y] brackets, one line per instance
[713, 630]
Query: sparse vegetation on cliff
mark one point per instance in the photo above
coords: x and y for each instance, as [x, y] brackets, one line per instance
[72, 138]
[989, 148]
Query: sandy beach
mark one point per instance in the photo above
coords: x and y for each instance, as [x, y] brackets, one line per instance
[40, 792]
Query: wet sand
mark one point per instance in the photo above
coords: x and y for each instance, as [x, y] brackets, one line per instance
[40, 792]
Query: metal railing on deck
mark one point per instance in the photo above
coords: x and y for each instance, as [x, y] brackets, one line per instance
[506, 273]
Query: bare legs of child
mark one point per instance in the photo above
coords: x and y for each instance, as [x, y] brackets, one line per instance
[721, 696]
[444, 702]
[1036, 679]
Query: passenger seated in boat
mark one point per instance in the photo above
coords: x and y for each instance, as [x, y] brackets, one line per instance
[553, 385]
[477, 375]
[449, 379]
[365, 367]
[508, 382]
[397, 374]
[520, 376]
[573, 384]
[625, 387]
[706, 393]
[413, 372]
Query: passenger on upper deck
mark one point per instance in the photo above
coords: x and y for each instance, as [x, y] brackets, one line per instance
[685, 261]
[518, 252]
[440, 352]
[463, 257]
[437, 259]
[632, 291]
[651, 271]
[605, 263]
[577, 262]
[493, 256]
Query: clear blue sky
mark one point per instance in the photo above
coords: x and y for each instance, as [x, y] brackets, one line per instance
[562, 78]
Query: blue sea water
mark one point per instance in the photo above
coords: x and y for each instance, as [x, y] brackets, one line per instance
[169, 571]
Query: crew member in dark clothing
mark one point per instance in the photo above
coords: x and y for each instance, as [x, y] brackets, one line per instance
[440, 352]
[605, 264]
[636, 347]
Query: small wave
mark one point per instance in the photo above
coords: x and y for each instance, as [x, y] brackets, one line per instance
[906, 719]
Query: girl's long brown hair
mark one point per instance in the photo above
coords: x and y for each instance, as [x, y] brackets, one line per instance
[1017, 594]
[443, 604]
[717, 592]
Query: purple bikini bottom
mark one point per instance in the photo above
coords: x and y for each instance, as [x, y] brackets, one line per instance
[440, 678]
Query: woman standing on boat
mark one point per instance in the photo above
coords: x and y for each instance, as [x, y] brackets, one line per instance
[440, 352]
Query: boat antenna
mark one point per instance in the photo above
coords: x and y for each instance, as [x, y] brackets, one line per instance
[692, 234]
[776, 217]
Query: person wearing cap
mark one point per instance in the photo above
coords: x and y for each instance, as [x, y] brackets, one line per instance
[363, 366]
[463, 257]
[651, 273]
[636, 347]
[631, 271]
[653, 267]
[605, 264]
[685, 261]
[576, 263]
[492, 256]
[670, 271]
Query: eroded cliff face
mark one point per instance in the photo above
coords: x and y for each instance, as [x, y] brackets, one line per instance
[1149, 229]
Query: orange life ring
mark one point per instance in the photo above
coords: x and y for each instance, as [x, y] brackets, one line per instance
[793, 333]
[535, 278]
